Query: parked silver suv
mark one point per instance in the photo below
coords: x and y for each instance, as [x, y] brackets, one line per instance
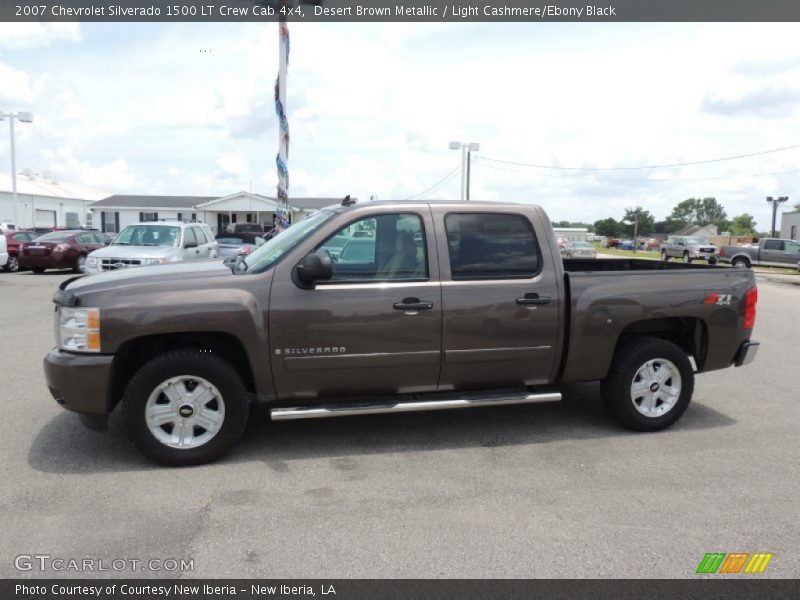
[152, 243]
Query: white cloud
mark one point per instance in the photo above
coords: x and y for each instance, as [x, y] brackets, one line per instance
[17, 36]
[16, 86]
[372, 108]
[115, 175]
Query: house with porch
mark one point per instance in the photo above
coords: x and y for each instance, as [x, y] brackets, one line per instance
[114, 213]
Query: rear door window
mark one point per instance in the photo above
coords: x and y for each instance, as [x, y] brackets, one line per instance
[773, 245]
[188, 236]
[200, 235]
[491, 246]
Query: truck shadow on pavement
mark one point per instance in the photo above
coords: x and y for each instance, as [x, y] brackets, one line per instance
[65, 446]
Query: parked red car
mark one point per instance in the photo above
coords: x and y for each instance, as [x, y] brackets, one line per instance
[60, 250]
[14, 239]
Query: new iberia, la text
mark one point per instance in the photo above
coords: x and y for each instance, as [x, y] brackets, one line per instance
[174, 590]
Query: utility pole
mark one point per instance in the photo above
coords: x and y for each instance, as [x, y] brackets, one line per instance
[24, 117]
[466, 155]
[775, 202]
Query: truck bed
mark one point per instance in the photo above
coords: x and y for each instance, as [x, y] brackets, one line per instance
[609, 298]
[578, 265]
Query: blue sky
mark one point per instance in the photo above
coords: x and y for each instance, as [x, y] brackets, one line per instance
[138, 108]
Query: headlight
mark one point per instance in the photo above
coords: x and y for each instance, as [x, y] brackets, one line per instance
[91, 262]
[78, 329]
[154, 261]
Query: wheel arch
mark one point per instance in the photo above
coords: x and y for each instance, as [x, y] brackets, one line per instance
[134, 353]
[743, 257]
[688, 333]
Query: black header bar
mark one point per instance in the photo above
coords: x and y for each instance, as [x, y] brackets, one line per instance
[337, 11]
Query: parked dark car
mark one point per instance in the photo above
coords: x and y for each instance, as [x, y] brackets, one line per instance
[60, 250]
[232, 245]
[245, 227]
[15, 239]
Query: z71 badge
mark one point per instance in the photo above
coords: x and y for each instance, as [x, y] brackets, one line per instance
[719, 299]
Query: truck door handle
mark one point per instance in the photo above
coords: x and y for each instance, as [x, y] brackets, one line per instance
[413, 304]
[533, 299]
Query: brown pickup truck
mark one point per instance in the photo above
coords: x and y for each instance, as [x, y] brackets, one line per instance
[421, 306]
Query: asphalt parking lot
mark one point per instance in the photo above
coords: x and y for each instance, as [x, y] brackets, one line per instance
[527, 491]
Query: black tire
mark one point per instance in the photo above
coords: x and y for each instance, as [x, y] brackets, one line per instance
[80, 264]
[616, 389]
[12, 266]
[210, 367]
[741, 262]
[38, 270]
[686, 258]
[712, 261]
[664, 256]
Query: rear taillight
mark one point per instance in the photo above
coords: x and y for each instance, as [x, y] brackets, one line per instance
[244, 251]
[61, 248]
[750, 307]
[722, 251]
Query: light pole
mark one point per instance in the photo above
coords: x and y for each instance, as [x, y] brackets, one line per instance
[466, 156]
[24, 117]
[775, 202]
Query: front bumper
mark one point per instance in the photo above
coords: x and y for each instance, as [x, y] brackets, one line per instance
[746, 354]
[79, 382]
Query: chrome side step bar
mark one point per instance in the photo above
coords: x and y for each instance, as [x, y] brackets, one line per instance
[449, 402]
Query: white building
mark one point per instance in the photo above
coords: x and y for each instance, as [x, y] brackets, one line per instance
[113, 213]
[573, 234]
[44, 201]
[790, 225]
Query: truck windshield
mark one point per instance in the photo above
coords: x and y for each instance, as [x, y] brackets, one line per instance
[149, 235]
[696, 240]
[271, 252]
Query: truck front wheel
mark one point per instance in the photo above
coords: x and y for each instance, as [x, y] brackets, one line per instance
[185, 408]
[649, 384]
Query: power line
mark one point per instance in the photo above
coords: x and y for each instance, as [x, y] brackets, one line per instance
[438, 184]
[643, 167]
[648, 180]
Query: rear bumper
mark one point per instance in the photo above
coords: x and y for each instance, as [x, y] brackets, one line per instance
[46, 262]
[746, 354]
[79, 382]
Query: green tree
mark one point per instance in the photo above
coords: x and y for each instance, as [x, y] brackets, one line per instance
[697, 211]
[608, 227]
[744, 224]
[647, 223]
[588, 226]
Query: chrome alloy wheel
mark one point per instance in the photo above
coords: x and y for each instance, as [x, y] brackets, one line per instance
[185, 412]
[656, 387]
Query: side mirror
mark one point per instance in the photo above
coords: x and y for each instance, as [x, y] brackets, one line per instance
[190, 244]
[314, 267]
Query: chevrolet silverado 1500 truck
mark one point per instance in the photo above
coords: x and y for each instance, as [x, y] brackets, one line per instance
[443, 305]
[769, 252]
[689, 248]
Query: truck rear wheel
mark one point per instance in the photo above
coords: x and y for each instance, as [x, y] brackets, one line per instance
[687, 258]
[649, 385]
[185, 408]
[664, 256]
[740, 262]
